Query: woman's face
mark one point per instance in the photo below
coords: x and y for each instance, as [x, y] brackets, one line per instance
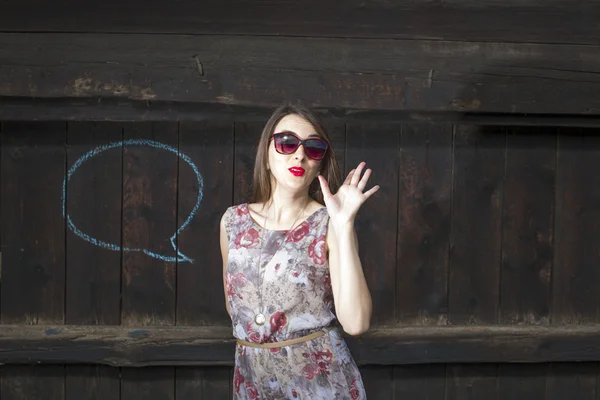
[294, 171]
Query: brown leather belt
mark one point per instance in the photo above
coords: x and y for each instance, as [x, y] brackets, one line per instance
[290, 342]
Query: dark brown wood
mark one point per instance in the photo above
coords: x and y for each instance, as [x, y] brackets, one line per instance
[522, 382]
[576, 278]
[340, 73]
[424, 224]
[378, 382]
[471, 382]
[203, 383]
[149, 221]
[33, 234]
[376, 223]
[209, 146]
[94, 200]
[93, 207]
[530, 21]
[478, 173]
[568, 381]
[42, 382]
[423, 382]
[527, 225]
[156, 383]
[91, 382]
[337, 134]
[247, 135]
[181, 346]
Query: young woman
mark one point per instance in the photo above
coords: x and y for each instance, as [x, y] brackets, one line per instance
[291, 267]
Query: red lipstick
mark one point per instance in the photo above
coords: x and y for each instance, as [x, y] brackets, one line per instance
[297, 171]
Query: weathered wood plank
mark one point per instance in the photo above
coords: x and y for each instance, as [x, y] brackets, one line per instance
[154, 383]
[527, 226]
[376, 222]
[571, 381]
[479, 154]
[91, 382]
[149, 221]
[531, 21]
[93, 207]
[401, 75]
[473, 381]
[203, 383]
[94, 202]
[576, 276]
[209, 146]
[181, 346]
[424, 224]
[43, 382]
[247, 135]
[521, 382]
[378, 382]
[33, 234]
[423, 382]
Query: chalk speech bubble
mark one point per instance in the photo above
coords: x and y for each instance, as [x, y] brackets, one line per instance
[110, 246]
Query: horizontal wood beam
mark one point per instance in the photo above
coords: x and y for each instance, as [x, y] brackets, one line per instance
[145, 346]
[537, 21]
[334, 74]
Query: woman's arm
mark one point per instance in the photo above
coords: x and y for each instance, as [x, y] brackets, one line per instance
[351, 294]
[224, 250]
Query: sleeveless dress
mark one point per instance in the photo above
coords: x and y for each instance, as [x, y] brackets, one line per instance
[297, 300]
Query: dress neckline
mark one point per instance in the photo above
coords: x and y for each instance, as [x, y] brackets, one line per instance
[257, 225]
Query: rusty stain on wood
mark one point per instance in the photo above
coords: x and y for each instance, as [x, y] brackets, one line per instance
[83, 87]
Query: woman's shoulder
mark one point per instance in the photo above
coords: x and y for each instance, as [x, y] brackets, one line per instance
[236, 210]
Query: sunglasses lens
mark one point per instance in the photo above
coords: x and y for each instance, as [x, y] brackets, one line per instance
[315, 148]
[286, 144]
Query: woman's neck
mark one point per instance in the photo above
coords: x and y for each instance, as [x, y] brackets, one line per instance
[284, 207]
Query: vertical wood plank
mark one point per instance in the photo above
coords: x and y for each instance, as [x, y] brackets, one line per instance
[376, 222]
[149, 221]
[337, 135]
[92, 382]
[479, 154]
[471, 382]
[203, 383]
[247, 135]
[93, 206]
[571, 381]
[576, 276]
[378, 381]
[33, 240]
[528, 220]
[94, 210]
[33, 234]
[522, 381]
[39, 382]
[150, 383]
[424, 224]
[209, 145]
[420, 382]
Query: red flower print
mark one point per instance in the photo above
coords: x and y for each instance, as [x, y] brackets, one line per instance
[253, 335]
[246, 238]
[354, 392]
[235, 281]
[238, 379]
[310, 371]
[316, 250]
[298, 234]
[278, 321]
[251, 391]
[239, 210]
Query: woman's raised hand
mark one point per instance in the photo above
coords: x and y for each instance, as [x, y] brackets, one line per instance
[344, 205]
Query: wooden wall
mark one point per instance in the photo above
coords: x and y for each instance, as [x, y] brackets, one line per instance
[478, 249]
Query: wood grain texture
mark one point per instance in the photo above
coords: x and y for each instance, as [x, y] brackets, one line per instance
[330, 73]
[476, 232]
[425, 195]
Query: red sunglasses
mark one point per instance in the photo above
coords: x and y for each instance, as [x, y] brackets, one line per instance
[287, 143]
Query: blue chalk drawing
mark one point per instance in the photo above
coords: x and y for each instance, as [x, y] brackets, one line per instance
[110, 246]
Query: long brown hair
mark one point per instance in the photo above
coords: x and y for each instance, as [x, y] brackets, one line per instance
[261, 183]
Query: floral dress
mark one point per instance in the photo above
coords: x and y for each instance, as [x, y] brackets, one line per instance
[297, 300]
